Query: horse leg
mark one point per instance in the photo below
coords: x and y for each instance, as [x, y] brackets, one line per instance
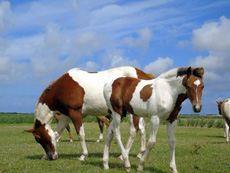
[63, 121]
[142, 137]
[154, 125]
[117, 134]
[76, 117]
[107, 146]
[70, 134]
[171, 142]
[226, 131]
[101, 126]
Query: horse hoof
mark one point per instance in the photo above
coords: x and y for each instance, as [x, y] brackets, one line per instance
[140, 168]
[82, 158]
[71, 140]
[128, 169]
[120, 158]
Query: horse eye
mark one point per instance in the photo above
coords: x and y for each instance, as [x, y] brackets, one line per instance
[203, 87]
[187, 87]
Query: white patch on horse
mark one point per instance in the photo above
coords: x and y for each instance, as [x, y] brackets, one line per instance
[197, 83]
[94, 102]
[43, 113]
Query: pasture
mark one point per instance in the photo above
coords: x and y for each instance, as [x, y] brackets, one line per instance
[198, 150]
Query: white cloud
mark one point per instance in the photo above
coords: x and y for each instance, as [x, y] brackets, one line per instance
[142, 42]
[11, 71]
[159, 66]
[5, 16]
[213, 37]
[91, 66]
[115, 58]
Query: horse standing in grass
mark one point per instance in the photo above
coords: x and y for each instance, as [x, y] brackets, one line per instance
[157, 99]
[224, 110]
[75, 94]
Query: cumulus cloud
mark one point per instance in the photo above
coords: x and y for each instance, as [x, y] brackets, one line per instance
[46, 57]
[115, 58]
[159, 66]
[213, 37]
[5, 16]
[11, 71]
[141, 42]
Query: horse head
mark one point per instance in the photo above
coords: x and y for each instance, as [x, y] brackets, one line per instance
[193, 82]
[47, 138]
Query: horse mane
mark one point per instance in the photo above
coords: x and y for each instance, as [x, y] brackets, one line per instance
[197, 71]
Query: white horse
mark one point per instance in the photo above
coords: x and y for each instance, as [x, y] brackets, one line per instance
[155, 99]
[75, 94]
[224, 110]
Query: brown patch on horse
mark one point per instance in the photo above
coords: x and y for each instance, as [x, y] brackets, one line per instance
[122, 93]
[173, 115]
[101, 120]
[136, 122]
[143, 75]
[63, 94]
[146, 92]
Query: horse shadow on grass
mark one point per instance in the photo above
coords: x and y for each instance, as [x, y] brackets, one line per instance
[112, 166]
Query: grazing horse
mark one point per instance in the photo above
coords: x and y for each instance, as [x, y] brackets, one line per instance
[159, 99]
[75, 94]
[224, 110]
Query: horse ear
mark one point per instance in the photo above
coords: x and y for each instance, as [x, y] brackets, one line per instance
[29, 131]
[217, 102]
[189, 72]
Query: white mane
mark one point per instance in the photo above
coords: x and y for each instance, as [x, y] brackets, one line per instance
[169, 74]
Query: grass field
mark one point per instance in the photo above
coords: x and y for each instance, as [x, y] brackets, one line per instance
[198, 150]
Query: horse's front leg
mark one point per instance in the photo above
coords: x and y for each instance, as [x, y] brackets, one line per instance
[142, 137]
[62, 124]
[76, 117]
[154, 125]
[171, 142]
[117, 134]
[226, 131]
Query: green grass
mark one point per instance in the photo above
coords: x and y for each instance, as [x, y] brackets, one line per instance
[197, 150]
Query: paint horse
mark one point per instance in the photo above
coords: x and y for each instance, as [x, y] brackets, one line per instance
[157, 99]
[224, 110]
[75, 94]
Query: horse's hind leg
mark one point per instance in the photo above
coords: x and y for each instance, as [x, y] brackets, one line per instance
[76, 117]
[171, 142]
[154, 124]
[70, 134]
[142, 131]
[101, 127]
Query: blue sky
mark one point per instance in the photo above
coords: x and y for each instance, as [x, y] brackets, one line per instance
[40, 40]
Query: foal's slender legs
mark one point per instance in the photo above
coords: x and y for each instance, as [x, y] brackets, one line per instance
[226, 130]
[115, 128]
[171, 142]
[154, 124]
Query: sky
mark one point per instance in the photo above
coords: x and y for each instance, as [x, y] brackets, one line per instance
[42, 39]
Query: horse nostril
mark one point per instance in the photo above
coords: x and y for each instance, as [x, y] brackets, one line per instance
[197, 108]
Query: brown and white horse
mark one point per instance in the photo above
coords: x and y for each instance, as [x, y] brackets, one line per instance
[75, 94]
[224, 110]
[158, 99]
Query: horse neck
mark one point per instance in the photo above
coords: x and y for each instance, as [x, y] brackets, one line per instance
[176, 85]
[43, 114]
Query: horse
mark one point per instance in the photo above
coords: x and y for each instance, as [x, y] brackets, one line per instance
[224, 110]
[76, 94]
[159, 99]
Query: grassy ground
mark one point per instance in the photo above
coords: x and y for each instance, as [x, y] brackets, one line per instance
[197, 150]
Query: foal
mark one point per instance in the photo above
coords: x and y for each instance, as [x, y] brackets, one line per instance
[154, 99]
[224, 110]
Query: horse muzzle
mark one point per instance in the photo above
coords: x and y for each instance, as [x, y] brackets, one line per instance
[197, 108]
